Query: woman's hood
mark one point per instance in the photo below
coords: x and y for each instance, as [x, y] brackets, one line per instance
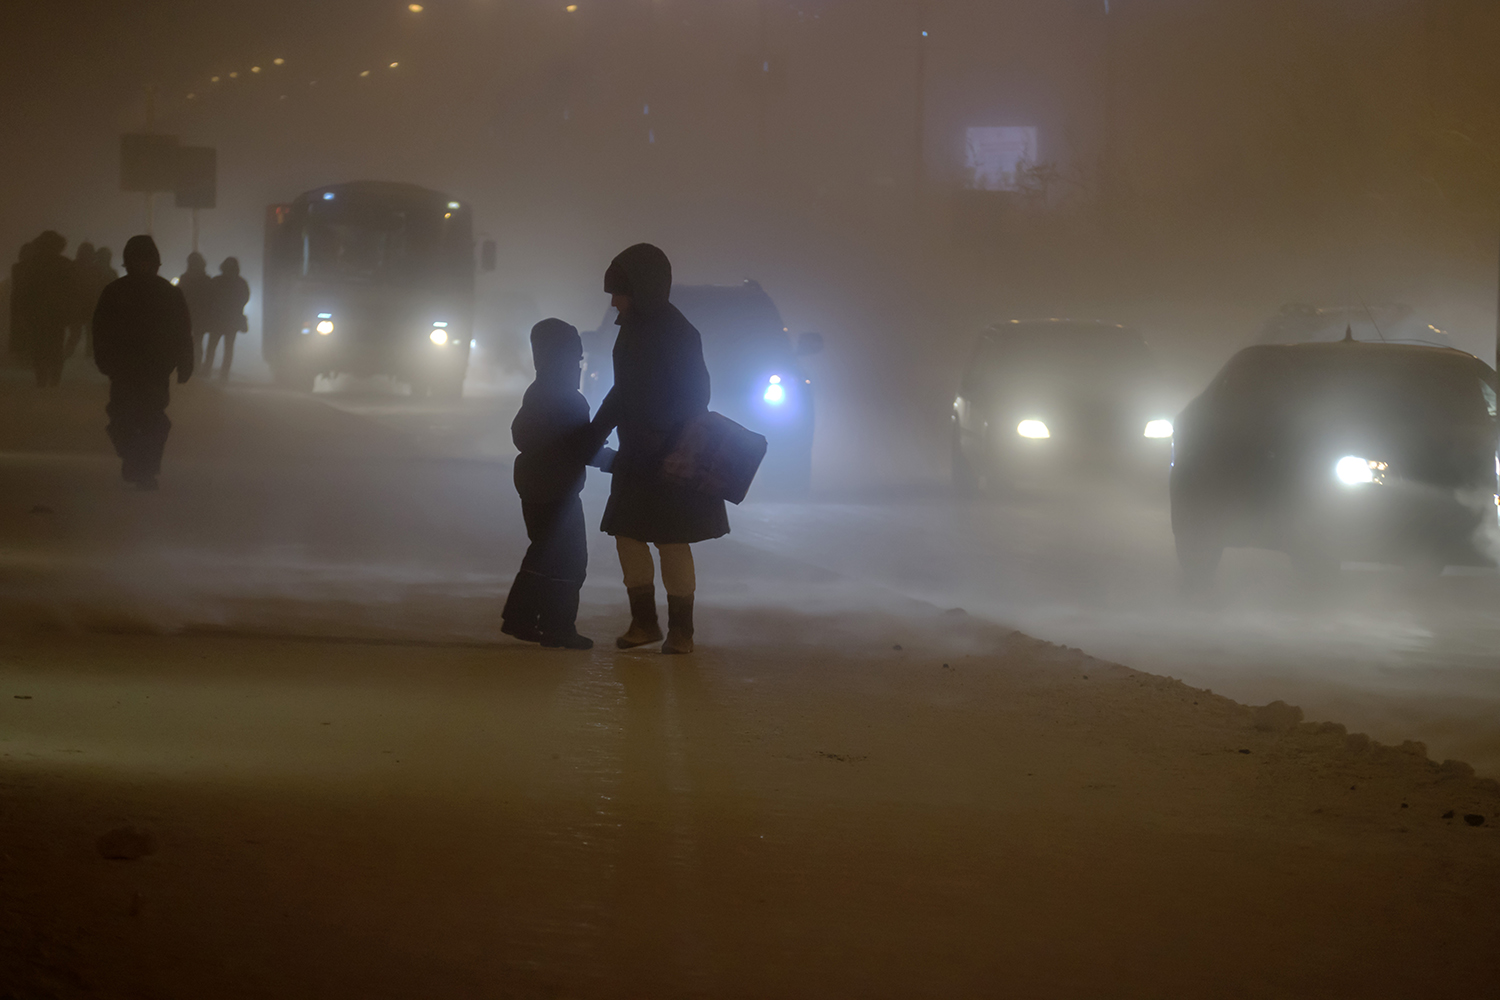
[642, 272]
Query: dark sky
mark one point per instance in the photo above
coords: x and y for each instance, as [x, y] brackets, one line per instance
[713, 121]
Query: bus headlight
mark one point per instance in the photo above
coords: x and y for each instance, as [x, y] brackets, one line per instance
[1158, 428]
[438, 336]
[325, 326]
[1033, 429]
[1352, 470]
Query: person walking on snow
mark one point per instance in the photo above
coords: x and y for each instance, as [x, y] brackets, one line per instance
[49, 305]
[196, 285]
[661, 382]
[82, 295]
[230, 293]
[141, 334]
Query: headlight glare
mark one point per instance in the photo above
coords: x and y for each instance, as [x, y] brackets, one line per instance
[1033, 429]
[325, 326]
[1158, 428]
[1353, 470]
[775, 393]
[438, 336]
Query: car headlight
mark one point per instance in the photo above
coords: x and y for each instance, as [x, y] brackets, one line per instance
[1352, 470]
[1158, 428]
[325, 326]
[438, 336]
[775, 393]
[1033, 429]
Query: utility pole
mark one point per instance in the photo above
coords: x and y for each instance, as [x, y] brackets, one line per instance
[150, 126]
[919, 137]
[763, 97]
[1109, 154]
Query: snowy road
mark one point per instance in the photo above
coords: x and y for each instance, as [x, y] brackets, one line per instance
[286, 667]
[366, 512]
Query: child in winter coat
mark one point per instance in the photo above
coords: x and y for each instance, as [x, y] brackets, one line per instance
[556, 443]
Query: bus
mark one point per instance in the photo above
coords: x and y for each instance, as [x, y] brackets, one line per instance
[370, 278]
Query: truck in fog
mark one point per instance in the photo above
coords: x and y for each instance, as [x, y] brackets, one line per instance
[370, 278]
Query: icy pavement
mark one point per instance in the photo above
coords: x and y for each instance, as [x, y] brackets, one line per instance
[285, 669]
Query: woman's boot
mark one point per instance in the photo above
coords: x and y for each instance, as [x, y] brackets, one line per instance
[644, 626]
[679, 625]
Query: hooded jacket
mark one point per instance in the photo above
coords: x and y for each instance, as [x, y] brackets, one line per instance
[661, 381]
[551, 430]
[142, 330]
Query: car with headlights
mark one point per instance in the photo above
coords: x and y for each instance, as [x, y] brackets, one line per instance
[755, 371]
[1040, 399]
[370, 278]
[1332, 452]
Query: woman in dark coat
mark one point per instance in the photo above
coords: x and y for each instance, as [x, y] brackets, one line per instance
[229, 293]
[660, 383]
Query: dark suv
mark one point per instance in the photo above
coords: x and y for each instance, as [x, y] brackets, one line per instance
[755, 372]
[1342, 451]
[1043, 397]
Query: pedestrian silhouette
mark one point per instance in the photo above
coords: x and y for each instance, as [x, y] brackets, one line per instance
[141, 333]
[230, 293]
[49, 306]
[196, 285]
[83, 277]
[19, 337]
[661, 383]
[107, 273]
[555, 441]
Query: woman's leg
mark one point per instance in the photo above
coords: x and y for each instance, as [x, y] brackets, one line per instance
[635, 563]
[640, 585]
[680, 580]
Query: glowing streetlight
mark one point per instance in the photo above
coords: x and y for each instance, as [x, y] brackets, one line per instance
[571, 8]
[394, 65]
[364, 72]
[235, 75]
[255, 69]
[415, 8]
[213, 79]
[278, 61]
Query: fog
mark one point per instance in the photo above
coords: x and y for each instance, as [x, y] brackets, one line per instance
[904, 178]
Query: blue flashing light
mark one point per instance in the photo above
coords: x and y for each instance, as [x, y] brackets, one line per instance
[775, 393]
[327, 195]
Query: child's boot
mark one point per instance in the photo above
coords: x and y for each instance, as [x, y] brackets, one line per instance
[559, 617]
[522, 606]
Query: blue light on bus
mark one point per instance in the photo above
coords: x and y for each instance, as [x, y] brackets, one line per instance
[327, 195]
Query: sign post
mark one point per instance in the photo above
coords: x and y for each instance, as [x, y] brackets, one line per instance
[148, 163]
[196, 184]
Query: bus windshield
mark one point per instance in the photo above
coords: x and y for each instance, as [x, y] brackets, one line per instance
[380, 241]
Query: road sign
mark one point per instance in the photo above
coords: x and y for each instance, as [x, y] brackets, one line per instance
[196, 183]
